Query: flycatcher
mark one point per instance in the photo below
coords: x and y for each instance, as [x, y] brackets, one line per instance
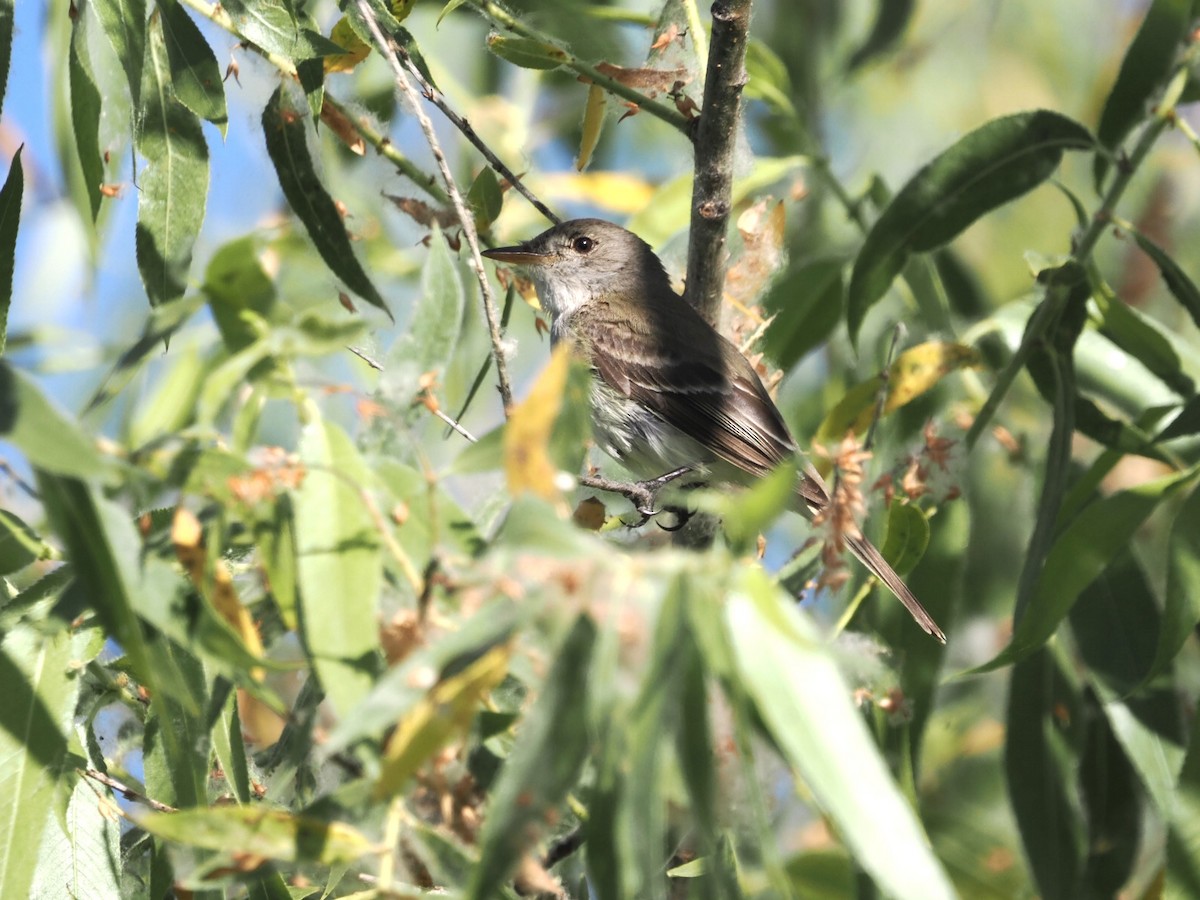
[669, 391]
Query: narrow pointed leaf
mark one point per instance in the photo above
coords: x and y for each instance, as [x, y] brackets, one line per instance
[795, 684]
[85, 116]
[987, 168]
[1146, 66]
[1178, 283]
[35, 713]
[10, 220]
[1081, 552]
[174, 184]
[340, 564]
[891, 18]
[124, 22]
[49, 439]
[6, 40]
[1182, 611]
[274, 26]
[544, 764]
[286, 128]
[195, 73]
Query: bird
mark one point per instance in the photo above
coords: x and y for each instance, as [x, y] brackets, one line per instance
[668, 390]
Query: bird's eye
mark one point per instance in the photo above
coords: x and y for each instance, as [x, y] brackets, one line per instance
[583, 244]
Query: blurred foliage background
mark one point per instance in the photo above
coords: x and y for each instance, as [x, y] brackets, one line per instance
[271, 628]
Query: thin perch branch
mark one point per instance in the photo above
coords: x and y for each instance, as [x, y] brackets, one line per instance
[716, 138]
[434, 96]
[389, 51]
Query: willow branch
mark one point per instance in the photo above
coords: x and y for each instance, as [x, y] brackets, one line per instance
[716, 139]
[434, 96]
[388, 50]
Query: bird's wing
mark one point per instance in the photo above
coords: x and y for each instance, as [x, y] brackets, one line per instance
[702, 385]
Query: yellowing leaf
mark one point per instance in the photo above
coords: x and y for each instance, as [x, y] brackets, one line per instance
[401, 9]
[593, 122]
[919, 368]
[527, 462]
[217, 586]
[612, 191]
[257, 831]
[356, 48]
[446, 712]
[913, 373]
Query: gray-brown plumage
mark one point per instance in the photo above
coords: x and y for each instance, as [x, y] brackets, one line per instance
[670, 391]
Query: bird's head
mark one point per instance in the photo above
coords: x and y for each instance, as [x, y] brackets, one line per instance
[579, 260]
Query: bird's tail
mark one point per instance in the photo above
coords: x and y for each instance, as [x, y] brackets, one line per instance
[873, 560]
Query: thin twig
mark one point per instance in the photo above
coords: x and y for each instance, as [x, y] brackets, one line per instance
[437, 411]
[434, 96]
[125, 790]
[388, 49]
[716, 139]
[216, 14]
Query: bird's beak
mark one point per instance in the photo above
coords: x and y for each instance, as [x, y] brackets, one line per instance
[520, 255]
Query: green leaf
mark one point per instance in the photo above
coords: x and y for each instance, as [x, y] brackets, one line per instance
[1082, 552]
[891, 19]
[10, 220]
[451, 6]
[1140, 336]
[85, 116]
[340, 564]
[1183, 839]
[544, 764]
[171, 399]
[1115, 624]
[807, 303]
[48, 438]
[1040, 764]
[195, 73]
[36, 706]
[906, 538]
[485, 198]
[1185, 423]
[273, 26]
[6, 40]
[234, 283]
[527, 53]
[229, 747]
[809, 710]
[286, 128]
[19, 544]
[160, 326]
[174, 185]
[257, 831]
[996, 163]
[124, 22]
[175, 744]
[103, 548]
[80, 856]
[1147, 64]
[1178, 283]
[1182, 611]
